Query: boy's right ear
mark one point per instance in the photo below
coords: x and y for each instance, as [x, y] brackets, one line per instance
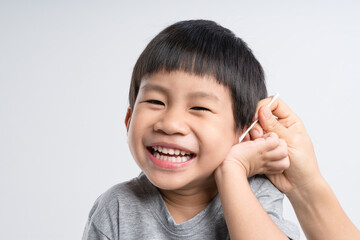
[127, 119]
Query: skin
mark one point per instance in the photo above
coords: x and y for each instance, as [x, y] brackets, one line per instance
[316, 206]
[236, 196]
[195, 113]
[178, 119]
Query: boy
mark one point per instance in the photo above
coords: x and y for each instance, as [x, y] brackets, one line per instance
[194, 90]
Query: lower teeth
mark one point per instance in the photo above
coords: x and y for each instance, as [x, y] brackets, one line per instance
[172, 159]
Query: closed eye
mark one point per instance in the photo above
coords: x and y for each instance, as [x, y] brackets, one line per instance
[156, 102]
[200, 109]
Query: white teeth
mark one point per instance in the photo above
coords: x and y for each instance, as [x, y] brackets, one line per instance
[170, 151]
[172, 155]
[177, 159]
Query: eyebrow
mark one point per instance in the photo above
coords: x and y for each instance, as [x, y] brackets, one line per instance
[198, 94]
[154, 87]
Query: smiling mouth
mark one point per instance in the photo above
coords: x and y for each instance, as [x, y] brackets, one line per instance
[170, 154]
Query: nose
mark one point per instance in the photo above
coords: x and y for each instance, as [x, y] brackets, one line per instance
[171, 122]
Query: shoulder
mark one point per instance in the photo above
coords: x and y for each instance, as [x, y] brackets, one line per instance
[272, 201]
[121, 194]
[105, 213]
[260, 185]
[268, 195]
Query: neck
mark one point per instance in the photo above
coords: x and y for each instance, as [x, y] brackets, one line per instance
[184, 204]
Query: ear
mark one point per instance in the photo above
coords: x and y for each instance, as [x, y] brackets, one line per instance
[127, 119]
[255, 133]
[239, 132]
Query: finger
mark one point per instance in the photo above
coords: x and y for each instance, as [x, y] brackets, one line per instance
[278, 108]
[278, 166]
[280, 152]
[256, 132]
[269, 142]
[270, 124]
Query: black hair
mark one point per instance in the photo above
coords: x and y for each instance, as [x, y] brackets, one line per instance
[203, 47]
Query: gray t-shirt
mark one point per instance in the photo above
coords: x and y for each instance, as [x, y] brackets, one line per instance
[136, 210]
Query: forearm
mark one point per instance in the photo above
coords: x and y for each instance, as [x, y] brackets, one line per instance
[320, 213]
[244, 215]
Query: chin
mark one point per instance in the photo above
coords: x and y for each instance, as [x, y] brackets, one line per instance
[167, 182]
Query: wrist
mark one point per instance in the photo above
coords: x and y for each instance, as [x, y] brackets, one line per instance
[309, 190]
[230, 169]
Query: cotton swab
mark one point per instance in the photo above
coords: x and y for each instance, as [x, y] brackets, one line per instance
[253, 124]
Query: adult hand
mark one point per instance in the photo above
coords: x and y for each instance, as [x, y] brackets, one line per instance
[267, 154]
[303, 165]
[316, 206]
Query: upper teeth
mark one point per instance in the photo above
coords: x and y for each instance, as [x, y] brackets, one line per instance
[170, 151]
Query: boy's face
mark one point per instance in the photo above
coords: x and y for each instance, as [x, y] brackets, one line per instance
[181, 129]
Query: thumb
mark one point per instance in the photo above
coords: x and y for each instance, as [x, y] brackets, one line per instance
[270, 124]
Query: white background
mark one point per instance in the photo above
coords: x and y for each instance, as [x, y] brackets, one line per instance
[65, 69]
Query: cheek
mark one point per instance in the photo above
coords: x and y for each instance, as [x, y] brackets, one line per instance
[134, 133]
[132, 142]
[220, 139]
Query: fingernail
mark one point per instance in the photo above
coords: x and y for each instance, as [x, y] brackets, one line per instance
[254, 133]
[267, 113]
